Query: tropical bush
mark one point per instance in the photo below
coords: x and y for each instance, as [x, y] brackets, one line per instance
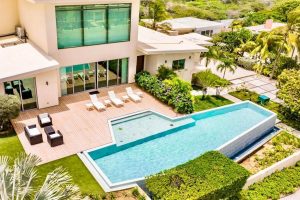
[274, 186]
[174, 92]
[9, 109]
[165, 73]
[211, 176]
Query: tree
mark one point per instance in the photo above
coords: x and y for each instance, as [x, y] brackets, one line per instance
[157, 9]
[16, 182]
[211, 55]
[226, 65]
[9, 109]
[205, 79]
[289, 89]
[165, 73]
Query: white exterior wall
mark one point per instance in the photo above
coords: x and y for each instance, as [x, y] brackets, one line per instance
[47, 94]
[9, 17]
[152, 63]
[2, 88]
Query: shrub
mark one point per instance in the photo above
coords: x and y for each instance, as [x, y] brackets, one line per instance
[175, 92]
[273, 187]
[165, 73]
[9, 109]
[210, 176]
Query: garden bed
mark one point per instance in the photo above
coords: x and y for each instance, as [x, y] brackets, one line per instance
[280, 147]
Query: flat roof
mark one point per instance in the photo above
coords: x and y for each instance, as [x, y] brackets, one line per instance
[191, 23]
[196, 38]
[261, 28]
[153, 42]
[23, 59]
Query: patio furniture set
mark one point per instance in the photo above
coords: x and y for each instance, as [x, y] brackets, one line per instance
[113, 99]
[34, 136]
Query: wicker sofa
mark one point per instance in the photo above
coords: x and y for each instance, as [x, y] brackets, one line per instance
[33, 135]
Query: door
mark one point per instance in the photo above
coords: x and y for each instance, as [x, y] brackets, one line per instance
[140, 64]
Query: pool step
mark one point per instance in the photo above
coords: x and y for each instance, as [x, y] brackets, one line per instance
[132, 117]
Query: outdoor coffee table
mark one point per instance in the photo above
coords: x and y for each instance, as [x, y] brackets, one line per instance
[49, 130]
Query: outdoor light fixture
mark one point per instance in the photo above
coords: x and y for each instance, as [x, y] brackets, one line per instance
[47, 83]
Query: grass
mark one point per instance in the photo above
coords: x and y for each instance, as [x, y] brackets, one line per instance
[10, 146]
[209, 102]
[245, 94]
[274, 186]
[80, 174]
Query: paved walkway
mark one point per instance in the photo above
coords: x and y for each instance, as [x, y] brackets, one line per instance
[295, 196]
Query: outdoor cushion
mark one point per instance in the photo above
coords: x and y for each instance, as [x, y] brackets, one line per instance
[44, 115]
[55, 135]
[45, 120]
[33, 132]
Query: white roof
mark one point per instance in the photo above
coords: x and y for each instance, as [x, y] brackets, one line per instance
[261, 28]
[191, 23]
[153, 42]
[23, 59]
[196, 38]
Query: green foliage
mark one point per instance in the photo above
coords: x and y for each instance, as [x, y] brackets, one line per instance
[289, 89]
[9, 109]
[211, 176]
[279, 183]
[174, 92]
[283, 145]
[165, 73]
[257, 18]
[205, 79]
[209, 102]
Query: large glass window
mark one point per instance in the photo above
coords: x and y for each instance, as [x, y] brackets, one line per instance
[92, 24]
[25, 90]
[119, 23]
[69, 29]
[83, 77]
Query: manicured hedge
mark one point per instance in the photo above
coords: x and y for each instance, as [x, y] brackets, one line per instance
[175, 92]
[279, 183]
[211, 176]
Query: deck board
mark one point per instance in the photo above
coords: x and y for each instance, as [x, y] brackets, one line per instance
[82, 129]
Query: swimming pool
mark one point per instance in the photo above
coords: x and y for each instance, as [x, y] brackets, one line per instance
[147, 143]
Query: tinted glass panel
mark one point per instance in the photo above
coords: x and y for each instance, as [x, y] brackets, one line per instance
[78, 76]
[119, 24]
[123, 71]
[112, 72]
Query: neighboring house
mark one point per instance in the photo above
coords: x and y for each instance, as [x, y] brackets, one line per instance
[192, 24]
[267, 27]
[156, 49]
[72, 46]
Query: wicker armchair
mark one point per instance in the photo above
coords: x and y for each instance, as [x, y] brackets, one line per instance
[33, 135]
[55, 139]
[44, 119]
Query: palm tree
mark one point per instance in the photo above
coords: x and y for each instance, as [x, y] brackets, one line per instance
[226, 65]
[16, 182]
[211, 55]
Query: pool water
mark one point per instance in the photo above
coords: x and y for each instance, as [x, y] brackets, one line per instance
[210, 130]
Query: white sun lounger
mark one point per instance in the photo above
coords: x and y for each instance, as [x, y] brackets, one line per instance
[97, 104]
[134, 97]
[115, 100]
[139, 93]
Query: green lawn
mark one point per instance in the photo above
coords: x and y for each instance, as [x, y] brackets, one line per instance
[209, 102]
[11, 146]
[273, 106]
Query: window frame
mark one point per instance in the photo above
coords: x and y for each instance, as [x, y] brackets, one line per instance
[178, 64]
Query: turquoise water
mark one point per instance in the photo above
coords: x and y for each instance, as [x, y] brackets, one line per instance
[211, 130]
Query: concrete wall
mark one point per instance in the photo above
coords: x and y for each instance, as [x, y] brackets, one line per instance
[32, 18]
[47, 94]
[152, 63]
[9, 17]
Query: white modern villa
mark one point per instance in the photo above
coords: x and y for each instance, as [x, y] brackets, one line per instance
[69, 46]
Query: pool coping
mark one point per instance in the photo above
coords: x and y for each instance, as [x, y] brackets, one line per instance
[109, 186]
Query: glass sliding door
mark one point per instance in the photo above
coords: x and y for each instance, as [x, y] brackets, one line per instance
[94, 23]
[66, 80]
[25, 90]
[69, 26]
[78, 76]
[119, 23]
[113, 72]
[90, 77]
[123, 71]
[102, 74]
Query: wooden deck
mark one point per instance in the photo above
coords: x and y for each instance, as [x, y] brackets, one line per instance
[82, 129]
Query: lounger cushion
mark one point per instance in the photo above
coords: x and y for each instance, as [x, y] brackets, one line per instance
[44, 115]
[33, 132]
[45, 120]
[55, 135]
